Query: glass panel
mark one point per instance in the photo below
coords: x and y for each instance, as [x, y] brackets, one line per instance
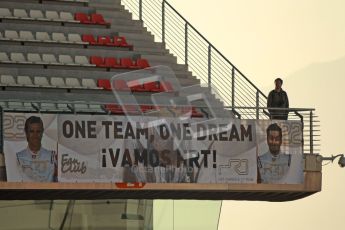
[186, 214]
[76, 214]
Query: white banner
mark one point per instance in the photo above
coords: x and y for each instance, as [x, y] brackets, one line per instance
[100, 148]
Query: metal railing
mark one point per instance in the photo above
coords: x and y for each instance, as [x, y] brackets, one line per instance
[194, 50]
[310, 122]
[205, 61]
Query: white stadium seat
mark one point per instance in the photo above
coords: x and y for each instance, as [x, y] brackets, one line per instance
[8, 80]
[35, 58]
[43, 36]
[72, 82]
[82, 60]
[59, 37]
[4, 57]
[18, 57]
[41, 81]
[47, 106]
[52, 15]
[37, 14]
[66, 59]
[5, 13]
[66, 16]
[21, 13]
[26, 35]
[16, 105]
[24, 81]
[76, 38]
[58, 82]
[11, 34]
[89, 83]
[49, 58]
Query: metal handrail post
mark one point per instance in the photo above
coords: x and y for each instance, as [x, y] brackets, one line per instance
[186, 43]
[257, 104]
[233, 87]
[209, 65]
[141, 10]
[1, 130]
[163, 22]
[311, 133]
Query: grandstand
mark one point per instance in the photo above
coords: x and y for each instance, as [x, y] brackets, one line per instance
[86, 57]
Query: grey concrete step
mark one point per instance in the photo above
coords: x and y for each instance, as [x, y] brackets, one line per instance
[44, 7]
[68, 51]
[93, 74]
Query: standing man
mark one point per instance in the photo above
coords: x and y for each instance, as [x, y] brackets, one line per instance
[274, 165]
[36, 163]
[278, 98]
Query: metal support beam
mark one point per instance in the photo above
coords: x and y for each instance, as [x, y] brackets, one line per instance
[257, 104]
[141, 10]
[209, 58]
[233, 87]
[311, 133]
[186, 43]
[163, 22]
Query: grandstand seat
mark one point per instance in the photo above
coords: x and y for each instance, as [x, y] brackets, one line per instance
[24, 81]
[114, 109]
[41, 81]
[5, 13]
[66, 59]
[82, 18]
[18, 58]
[48, 106]
[75, 38]
[82, 60]
[89, 38]
[121, 42]
[21, 13]
[37, 14]
[16, 105]
[130, 109]
[98, 61]
[142, 63]
[146, 108]
[80, 107]
[26, 35]
[72, 82]
[62, 107]
[8, 80]
[4, 58]
[127, 63]
[66, 16]
[57, 82]
[136, 86]
[11, 34]
[95, 108]
[104, 83]
[104, 40]
[50, 59]
[59, 37]
[152, 86]
[121, 85]
[111, 62]
[35, 58]
[52, 15]
[3, 104]
[196, 113]
[98, 19]
[43, 36]
[89, 83]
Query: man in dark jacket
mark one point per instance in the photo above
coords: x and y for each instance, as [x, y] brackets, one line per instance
[278, 98]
